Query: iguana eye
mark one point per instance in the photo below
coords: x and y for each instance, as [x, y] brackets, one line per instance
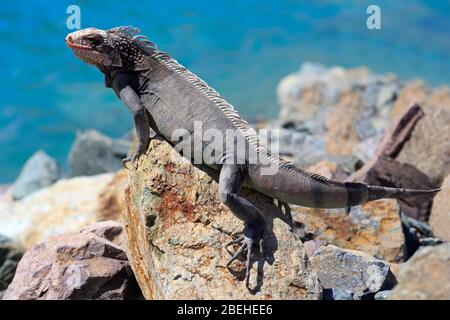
[95, 41]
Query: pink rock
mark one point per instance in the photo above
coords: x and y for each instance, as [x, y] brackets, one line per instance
[82, 265]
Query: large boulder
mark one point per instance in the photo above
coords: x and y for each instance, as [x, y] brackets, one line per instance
[426, 276]
[66, 206]
[39, 171]
[93, 153]
[440, 212]
[350, 275]
[374, 228]
[73, 266]
[176, 229]
[428, 149]
[339, 107]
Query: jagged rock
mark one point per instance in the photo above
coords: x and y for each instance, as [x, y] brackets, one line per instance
[176, 228]
[74, 266]
[428, 149]
[67, 205]
[347, 274]
[384, 171]
[426, 276]
[93, 153]
[344, 107]
[440, 212]
[10, 255]
[110, 230]
[374, 228]
[39, 171]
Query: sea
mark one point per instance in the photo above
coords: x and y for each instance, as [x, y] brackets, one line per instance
[241, 48]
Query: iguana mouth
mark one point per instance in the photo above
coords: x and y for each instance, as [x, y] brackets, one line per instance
[73, 45]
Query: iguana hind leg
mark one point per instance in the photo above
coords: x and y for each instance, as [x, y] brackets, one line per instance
[230, 182]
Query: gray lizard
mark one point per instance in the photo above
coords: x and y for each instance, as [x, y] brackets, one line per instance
[164, 96]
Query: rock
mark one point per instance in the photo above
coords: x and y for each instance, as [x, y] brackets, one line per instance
[110, 199]
[384, 171]
[414, 91]
[109, 230]
[10, 255]
[325, 168]
[176, 229]
[6, 194]
[39, 171]
[94, 153]
[440, 212]
[382, 295]
[366, 149]
[352, 274]
[342, 107]
[428, 149]
[344, 111]
[374, 228]
[74, 266]
[420, 227]
[311, 246]
[66, 206]
[415, 231]
[395, 137]
[426, 276]
[429, 242]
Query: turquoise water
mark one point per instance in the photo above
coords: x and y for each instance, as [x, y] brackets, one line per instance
[242, 48]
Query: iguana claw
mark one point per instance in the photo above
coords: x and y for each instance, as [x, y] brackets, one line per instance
[134, 159]
[248, 243]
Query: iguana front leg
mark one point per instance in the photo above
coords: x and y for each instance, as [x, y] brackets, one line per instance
[141, 122]
[230, 182]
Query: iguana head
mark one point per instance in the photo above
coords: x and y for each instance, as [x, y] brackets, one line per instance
[120, 48]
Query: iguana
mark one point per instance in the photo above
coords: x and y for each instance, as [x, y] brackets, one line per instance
[162, 96]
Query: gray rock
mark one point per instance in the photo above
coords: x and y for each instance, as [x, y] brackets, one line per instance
[10, 255]
[351, 274]
[39, 172]
[336, 294]
[94, 153]
[382, 295]
[342, 107]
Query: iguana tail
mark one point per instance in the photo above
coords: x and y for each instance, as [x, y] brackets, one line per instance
[296, 186]
[377, 192]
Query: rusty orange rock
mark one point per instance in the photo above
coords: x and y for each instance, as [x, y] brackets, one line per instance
[176, 228]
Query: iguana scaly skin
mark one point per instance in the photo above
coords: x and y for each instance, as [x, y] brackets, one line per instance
[164, 96]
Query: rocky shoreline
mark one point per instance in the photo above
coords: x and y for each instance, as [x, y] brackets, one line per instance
[73, 228]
